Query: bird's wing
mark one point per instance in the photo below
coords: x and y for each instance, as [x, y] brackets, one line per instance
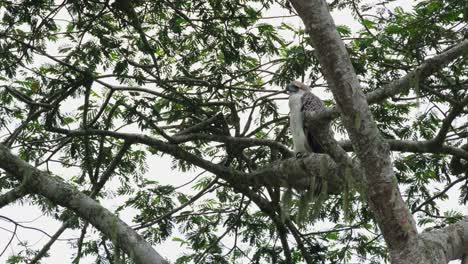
[311, 103]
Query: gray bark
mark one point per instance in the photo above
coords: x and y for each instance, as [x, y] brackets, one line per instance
[393, 217]
[65, 195]
[286, 173]
[429, 66]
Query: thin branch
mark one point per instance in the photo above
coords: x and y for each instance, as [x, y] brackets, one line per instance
[80, 243]
[333, 230]
[448, 187]
[175, 210]
[49, 243]
[96, 189]
[447, 123]
[240, 213]
[9, 242]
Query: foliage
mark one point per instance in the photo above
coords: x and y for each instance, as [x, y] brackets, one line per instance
[159, 68]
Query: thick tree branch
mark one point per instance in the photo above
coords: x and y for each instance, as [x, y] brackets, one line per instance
[449, 243]
[297, 173]
[428, 67]
[392, 215]
[292, 172]
[65, 195]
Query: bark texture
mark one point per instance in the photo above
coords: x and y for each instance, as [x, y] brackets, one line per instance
[297, 173]
[63, 194]
[395, 87]
[393, 217]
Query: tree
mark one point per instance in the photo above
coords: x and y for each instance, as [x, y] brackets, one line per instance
[101, 87]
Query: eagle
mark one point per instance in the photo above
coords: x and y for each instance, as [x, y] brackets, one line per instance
[301, 100]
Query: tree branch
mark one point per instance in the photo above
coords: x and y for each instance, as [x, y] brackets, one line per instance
[448, 187]
[449, 243]
[95, 191]
[12, 196]
[425, 69]
[240, 142]
[291, 172]
[182, 206]
[416, 147]
[49, 243]
[393, 217]
[447, 123]
[428, 67]
[65, 195]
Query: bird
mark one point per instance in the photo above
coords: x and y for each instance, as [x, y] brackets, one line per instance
[302, 100]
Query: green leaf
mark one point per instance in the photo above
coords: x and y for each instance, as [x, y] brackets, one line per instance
[368, 23]
[332, 236]
[344, 30]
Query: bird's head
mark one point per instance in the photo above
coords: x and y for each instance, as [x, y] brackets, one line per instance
[296, 86]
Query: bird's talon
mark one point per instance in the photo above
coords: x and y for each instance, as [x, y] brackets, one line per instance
[300, 155]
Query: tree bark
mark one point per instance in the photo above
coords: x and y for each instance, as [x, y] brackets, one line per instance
[393, 217]
[395, 87]
[61, 193]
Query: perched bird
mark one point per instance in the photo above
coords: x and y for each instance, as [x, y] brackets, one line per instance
[301, 100]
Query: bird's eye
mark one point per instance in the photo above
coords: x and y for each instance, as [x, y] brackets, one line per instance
[292, 88]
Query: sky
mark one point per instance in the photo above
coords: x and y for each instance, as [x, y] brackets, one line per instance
[159, 169]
